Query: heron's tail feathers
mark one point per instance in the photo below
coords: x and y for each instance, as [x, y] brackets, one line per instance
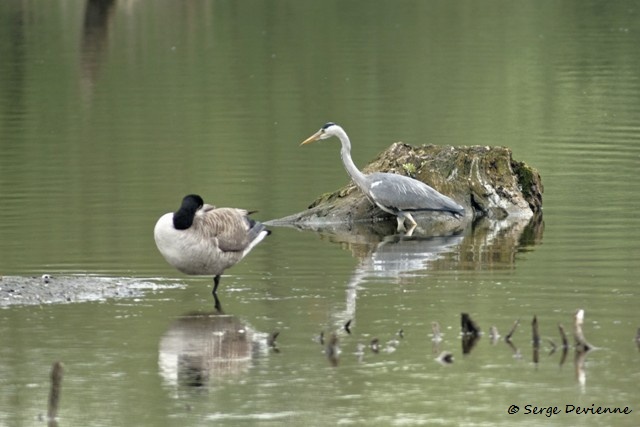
[257, 232]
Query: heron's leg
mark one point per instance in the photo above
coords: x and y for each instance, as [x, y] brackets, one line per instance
[216, 282]
[400, 219]
[412, 223]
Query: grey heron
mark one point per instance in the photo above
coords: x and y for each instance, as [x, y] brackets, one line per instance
[396, 194]
[201, 239]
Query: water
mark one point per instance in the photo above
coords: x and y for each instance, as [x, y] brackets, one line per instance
[109, 116]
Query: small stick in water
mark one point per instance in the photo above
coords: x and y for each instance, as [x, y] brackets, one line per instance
[563, 334]
[536, 339]
[347, 326]
[375, 345]
[332, 350]
[581, 342]
[565, 344]
[494, 335]
[435, 331]
[57, 371]
[536, 334]
[445, 357]
[271, 341]
[469, 327]
[513, 329]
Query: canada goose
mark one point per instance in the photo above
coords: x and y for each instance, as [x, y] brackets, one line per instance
[201, 239]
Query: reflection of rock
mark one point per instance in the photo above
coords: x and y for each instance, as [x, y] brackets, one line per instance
[200, 348]
[485, 180]
[495, 244]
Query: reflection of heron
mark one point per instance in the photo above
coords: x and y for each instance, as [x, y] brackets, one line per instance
[397, 256]
[394, 259]
[202, 239]
[200, 348]
[396, 194]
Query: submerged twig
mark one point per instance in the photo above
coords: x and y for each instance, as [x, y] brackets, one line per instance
[332, 350]
[347, 326]
[469, 327]
[470, 333]
[57, 372]
[565, 344]
[446, 358]
[513, 329]
[271, 341]
[494, 335]
[563, 335]
[535, 333]
[436, 336]
[535, 339]
[581, 342]
[375, 345]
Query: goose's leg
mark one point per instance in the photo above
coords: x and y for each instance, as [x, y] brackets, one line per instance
[216, 282]
[217, 304]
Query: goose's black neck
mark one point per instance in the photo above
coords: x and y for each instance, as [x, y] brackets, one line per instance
[183, 217]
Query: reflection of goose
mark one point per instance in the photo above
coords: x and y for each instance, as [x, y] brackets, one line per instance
[396, 194]
[202, 239]
[200, 348]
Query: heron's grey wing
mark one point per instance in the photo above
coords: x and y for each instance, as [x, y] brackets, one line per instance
[401, 193]
[229, 227]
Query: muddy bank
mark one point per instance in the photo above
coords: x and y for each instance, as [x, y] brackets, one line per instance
[20, 290]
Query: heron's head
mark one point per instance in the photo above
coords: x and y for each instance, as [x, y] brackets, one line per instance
[326, 131]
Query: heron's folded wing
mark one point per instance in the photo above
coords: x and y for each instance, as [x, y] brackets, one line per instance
[401, 193]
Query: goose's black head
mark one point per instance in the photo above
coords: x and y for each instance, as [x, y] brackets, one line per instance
[183, 217]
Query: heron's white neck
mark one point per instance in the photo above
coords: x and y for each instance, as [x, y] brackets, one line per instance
[345, 153]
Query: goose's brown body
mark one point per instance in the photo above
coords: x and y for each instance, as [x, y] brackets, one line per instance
[201, 239]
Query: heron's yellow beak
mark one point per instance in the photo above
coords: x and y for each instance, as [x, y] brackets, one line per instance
[312, 138]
